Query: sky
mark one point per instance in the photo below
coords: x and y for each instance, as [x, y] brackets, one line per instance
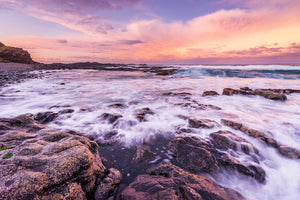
[154, 31]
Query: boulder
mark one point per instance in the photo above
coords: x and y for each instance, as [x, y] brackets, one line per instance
[44, 163]
[227, 140]
[45, 117]
[166, 181]
[210, 93]
[199, 156]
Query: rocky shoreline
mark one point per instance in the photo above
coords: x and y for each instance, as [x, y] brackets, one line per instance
[38, 162]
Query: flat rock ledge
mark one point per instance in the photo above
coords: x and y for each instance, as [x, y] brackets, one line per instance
[38, 162]
[169, 182]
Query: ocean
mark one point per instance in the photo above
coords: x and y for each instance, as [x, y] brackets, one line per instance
[92, 93]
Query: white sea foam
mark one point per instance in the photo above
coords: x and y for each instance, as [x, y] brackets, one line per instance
[90, 92]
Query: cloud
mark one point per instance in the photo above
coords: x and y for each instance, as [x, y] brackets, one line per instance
[62, 41]
[82, 15]
[130, 42]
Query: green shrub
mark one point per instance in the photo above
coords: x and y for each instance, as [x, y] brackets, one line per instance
[7, 156]
[4, 148]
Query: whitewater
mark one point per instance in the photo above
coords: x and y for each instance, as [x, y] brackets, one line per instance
[91, 93]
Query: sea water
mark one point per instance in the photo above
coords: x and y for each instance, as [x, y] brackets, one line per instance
[91, 92]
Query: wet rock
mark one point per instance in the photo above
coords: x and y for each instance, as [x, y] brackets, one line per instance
[227, 140]
[199, 156]
[230, 92]
[141, 113]
[46, 163]
[45, 117]
[289, 152]
[110, 117]
[182, 129]
[118, 105]
[282, 91]
[194, 154]
[210, 93]
[144, 153]
[251, 132]
[183, 94]
[65, 111]
[198, 106]
[270, 94]
[166, 181]
[203, 123]
[110, 134]
[108, 184]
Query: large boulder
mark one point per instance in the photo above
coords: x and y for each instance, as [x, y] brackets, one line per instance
[38, 162]
[199, 156]
[166, 181]
[227, 140]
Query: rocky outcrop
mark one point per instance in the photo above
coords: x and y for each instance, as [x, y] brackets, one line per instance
[210, 93]
[38, 162]
[166, 181]
[199, 156]
[1, 44]
[13, 54]
[272, 94]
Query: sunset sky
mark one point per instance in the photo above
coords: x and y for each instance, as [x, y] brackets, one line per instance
[154, 31]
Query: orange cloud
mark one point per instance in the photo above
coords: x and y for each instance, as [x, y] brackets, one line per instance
[248, 34]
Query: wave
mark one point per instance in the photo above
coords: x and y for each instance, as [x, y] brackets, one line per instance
[290, 72]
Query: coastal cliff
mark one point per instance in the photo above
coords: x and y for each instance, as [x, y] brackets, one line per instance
[14, 54]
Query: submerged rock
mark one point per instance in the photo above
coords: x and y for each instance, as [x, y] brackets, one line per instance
[202, 123]
[45, 117]
[48, 164]
[198, 106]
[144, 153]
[166, 181]
[197, 155]
[110, 117]
[141, 113]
